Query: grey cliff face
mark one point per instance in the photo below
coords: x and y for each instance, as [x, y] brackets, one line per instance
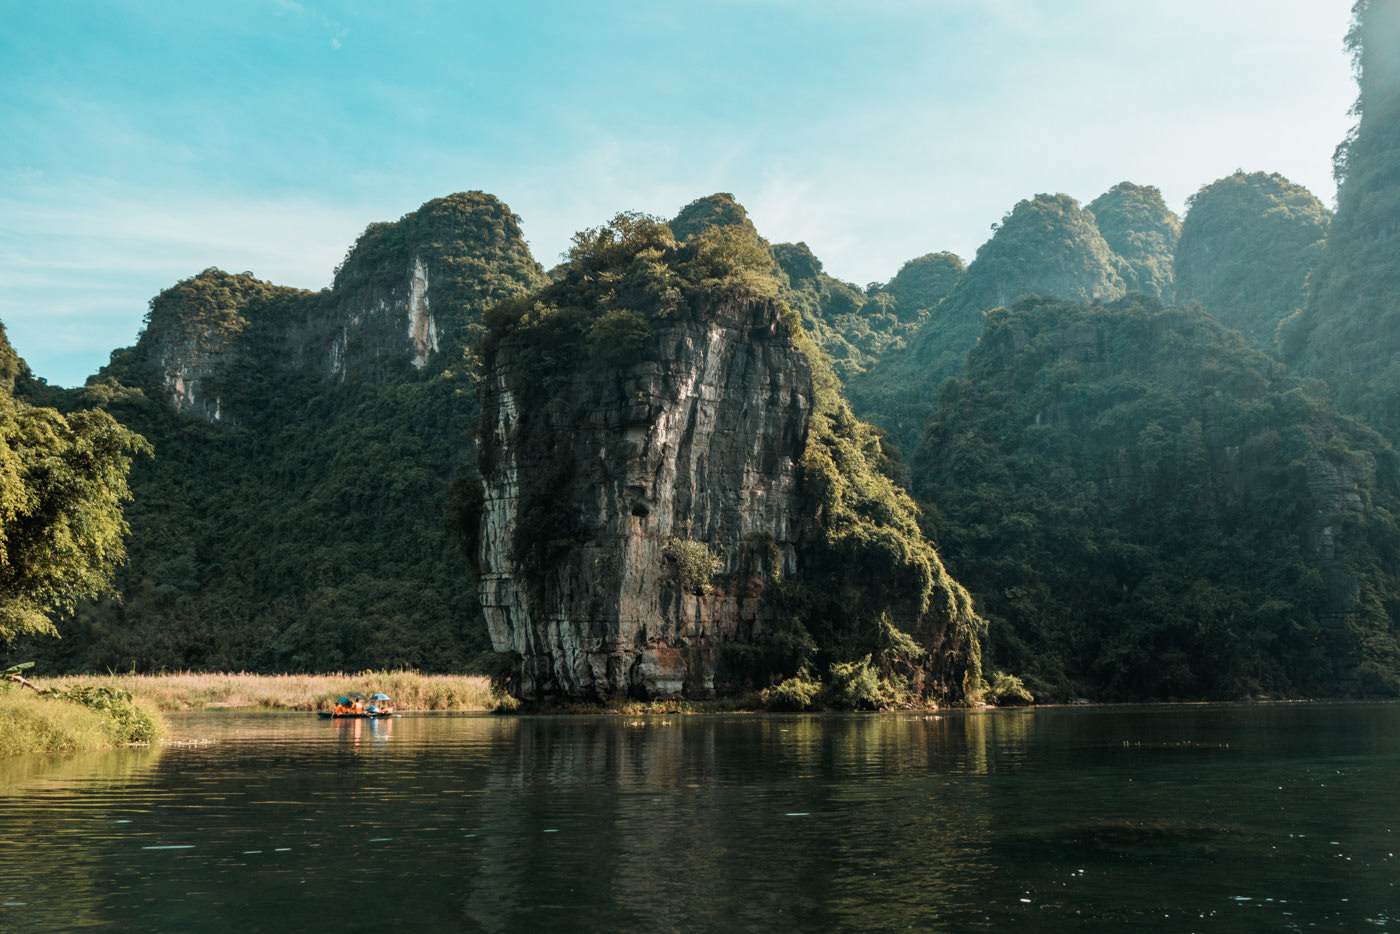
[187, 364]
[348, 336]
[371, 329]
[696, 438]
[404, 302]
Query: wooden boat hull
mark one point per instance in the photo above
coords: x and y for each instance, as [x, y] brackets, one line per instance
[332, 715]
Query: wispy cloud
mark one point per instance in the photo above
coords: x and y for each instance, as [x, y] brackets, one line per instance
[81, 264]
[875, 133]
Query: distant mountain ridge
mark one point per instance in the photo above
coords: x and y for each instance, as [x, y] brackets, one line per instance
[1147, 499]
[298, 514]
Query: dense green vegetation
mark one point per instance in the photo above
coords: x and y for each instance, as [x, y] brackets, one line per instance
[921, 284]
[867, 561]
[1143, 232]
[1348, 333]
[871, 562]
[1141, 503]
[1044, 246]
[1247, 246]
[63, 483]
[312, 528]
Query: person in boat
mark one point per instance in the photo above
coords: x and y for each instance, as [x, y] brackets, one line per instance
[342, 706]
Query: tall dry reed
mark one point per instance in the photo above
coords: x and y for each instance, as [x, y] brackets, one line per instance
[192, 690]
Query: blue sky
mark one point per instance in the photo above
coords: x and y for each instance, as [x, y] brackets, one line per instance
[146, 141]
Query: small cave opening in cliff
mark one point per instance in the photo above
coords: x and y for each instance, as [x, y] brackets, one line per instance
[640, 510]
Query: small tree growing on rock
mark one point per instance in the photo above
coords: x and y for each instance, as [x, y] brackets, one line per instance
[693, 564]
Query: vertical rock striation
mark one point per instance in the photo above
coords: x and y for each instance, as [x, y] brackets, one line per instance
[675, 498]
[696, 439]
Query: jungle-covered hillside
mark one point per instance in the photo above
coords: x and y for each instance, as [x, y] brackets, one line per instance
[1158, 451]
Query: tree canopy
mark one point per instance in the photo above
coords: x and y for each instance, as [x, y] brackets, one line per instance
[1247, 246]
[1138, 226]
[63, 484]
[1146, 507]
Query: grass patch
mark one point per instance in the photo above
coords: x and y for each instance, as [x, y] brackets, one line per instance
[31, 722]
[185, 691]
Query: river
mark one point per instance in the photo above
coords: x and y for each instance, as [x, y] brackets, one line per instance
[1229, 818]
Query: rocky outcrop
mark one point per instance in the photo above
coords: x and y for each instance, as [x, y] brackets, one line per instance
[188, 365]
[407, 292]
[594, 502]
[376, 328]
[198, 336]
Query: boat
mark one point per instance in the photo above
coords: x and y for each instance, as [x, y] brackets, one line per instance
[359, 707]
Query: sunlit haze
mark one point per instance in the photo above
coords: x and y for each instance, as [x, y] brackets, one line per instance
[147, 141]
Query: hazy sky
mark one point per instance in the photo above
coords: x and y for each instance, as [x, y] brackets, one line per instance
[142, 142]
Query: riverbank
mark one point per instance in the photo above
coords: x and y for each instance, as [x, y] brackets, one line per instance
[82, 718]
[189, 690]
[105, 711]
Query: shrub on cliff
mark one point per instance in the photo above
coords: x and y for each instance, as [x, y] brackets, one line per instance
[694, 564]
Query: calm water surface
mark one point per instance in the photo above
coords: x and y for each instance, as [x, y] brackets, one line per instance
[1198, 818]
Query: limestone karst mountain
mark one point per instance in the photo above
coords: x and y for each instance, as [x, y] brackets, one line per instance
[1348, 332]
[1144, 505]
[1248, 244]
[677, 501]
[672, 495]
[297, 514]
[1047, 246]
[1143, 232]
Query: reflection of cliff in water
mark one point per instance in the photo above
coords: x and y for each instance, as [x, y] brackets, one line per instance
[719, 823]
